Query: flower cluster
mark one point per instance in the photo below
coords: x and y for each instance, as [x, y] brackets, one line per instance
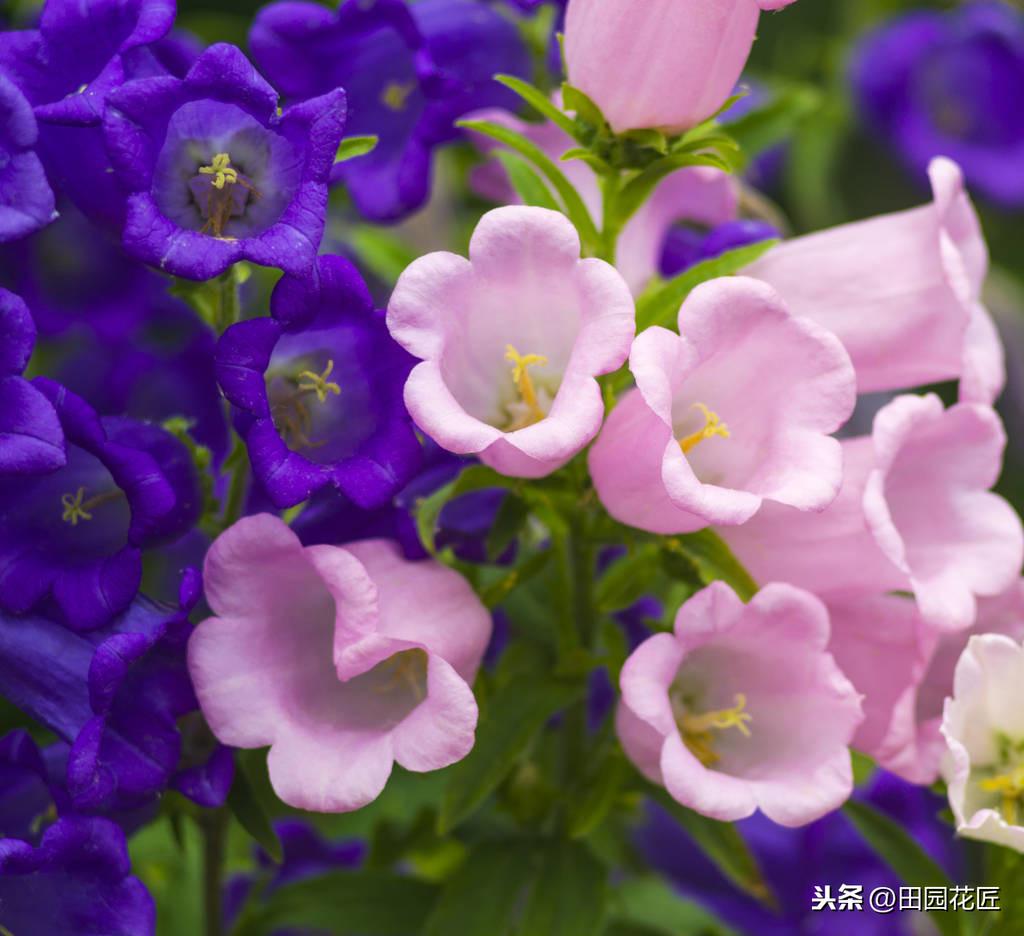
[590, 486]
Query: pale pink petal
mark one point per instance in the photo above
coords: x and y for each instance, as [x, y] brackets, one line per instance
[641, 743]
[708, 792]
[646, 679]
[983, 373]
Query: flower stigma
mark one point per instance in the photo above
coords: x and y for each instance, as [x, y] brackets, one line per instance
[521, 363]
[1009, 784]
[713, 426]
[396, 95]
[227, 193]
[77, 508]
[699, 730]
[292, 414]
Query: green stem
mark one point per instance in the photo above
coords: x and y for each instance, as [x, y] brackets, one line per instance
[238, 462]
[214, 827]
[228, 304]
[610, 225]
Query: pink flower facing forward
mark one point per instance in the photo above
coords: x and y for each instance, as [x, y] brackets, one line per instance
[914, 514]
[698, 194]
[904, 668]
[343, 661]
[902, 292]
[983, 724]
[742, 708]
[736, 409]
[511, 341]
[661, 63]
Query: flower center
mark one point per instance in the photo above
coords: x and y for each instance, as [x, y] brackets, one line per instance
[1009, 783]
[531, 411]
[222, 193]
[713, 426]
[76, 507]
[395, 95]
[407, 669]
[291, 411]
[698, 730]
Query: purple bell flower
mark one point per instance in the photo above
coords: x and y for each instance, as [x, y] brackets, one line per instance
[829, 851]
[67, 68]
[410, 71]
[78, 880]
[29, 783]
[685, 247]
[216, 174]
[31, 433]
[26, 200]
[71, 538]
[317, 392]
[948, 84]
[118, 697]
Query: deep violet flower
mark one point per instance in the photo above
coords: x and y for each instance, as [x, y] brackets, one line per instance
[31, 434]
[26, 200]
[67, 68]
[934, 83]
[71, 539]
[320, 403]
[27, 784]
[684, 247]
[78, 880]
[116, 696]
[410, 71]
[216, 174]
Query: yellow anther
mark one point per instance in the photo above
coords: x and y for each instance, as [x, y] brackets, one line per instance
[698, 730]
[713, 426]
[408, 667]
[524, 383]
[319, 384]
[221, 170]
[396, 94]
[1010, 786]
[74, 509]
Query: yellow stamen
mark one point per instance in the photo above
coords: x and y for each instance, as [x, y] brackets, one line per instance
[408, 667]
[1010, 786]
[524, 383]
[221, 170]
[319, 384]
[396, 95]
[698, 730]
[713, 426]
[74, 509]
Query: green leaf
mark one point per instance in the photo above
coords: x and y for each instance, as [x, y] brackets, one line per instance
[382, 253]
[539, 101]
[251, 813]
[627, 579]
[649, 139]
[713, 560]
[661, 305]
[591, 807]
[481, 897]
[428, 509]
[583, 107]
[575, 209]
[354, 146]
[648, 905]
[509, 522]
[591, 159]
[353, 903]
[569, 896]
[898, 849]
[767, 126]
[529, 186]
[514, 716]
[172, 872]
[723, 844]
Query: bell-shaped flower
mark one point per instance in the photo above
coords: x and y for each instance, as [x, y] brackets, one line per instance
[667, 64]
[71, 538]
[983, 724]
[736, 409]
[317, 391]
[342, 660]
[511, 341]
[699, 195]
[914, 514]
[907, 304]
[27, 201]
[410, 70]
[743, 708]
[218, 172]
[904, 668]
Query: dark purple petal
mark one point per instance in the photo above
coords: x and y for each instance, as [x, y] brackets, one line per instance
[26, 199]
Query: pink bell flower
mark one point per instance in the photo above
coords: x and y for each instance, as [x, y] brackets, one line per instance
[742, 708]
[343, 661]
[511, 341]
[666, 64]
[902, 291]
[915, 513]
[735, 410]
